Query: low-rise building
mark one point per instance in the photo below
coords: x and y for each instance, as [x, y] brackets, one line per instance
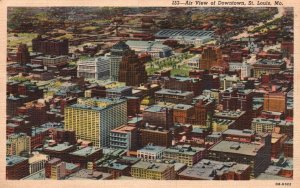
[242, 121]
[124, 137]
[85, 156]
[150, 152]
[37, 162]
[220, 125]
[156, 136]
[51, 61]
[257, 155]
[216, 170]
[159, 116]
[17, 167]
[183, 113]
[153, 171]
[266, 66]
[185, 154]
[245, 135]
[85, 174]
[268, 125]
[118, 92]
[58, 150]
[174, 96]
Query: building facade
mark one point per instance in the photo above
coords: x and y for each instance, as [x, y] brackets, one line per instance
[18, 144]
[275, 102]
[216, 170]
[185, 154]
[49, 46]
[124, 137]
[116, 55]
[258, 156]
[174, 96]
[150, 152]
[92, 119]
[159, 116]
[131, 70]
[97, 68]
[153, 171]
[266, 66]
[16, 167]
[155, 136]
[211, 56]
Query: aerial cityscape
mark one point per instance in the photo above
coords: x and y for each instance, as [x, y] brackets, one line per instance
[157, 93]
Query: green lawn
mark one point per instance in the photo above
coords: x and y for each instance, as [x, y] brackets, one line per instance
[170, 62]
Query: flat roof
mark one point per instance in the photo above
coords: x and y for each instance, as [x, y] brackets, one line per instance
[115, 165]
[157, 167]
[39, 175]
[229, 113]
[152, 149]
[269, 62]
[59, 147]
[265, 176]
[237, 147]
[119, 89]
[148, 129]
[155, 108]
[135, 119]
[183, 79]
[17, 135]
[54, 160]
[186, 33]
[184, 149]
[197, 130]
[245, 132]
[148, 45]
[182, 107]
[272, 121]
[12, 125]
[109, 102]
[86, 151]
[87, 174]
[123, 129]
[174, 92]
[11, 160]
[221, 121]
[208, 169]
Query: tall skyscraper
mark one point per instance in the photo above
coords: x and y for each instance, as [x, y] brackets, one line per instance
[211, 56]
[23, 55]
[93, 118]
[117, 52]
[131, 70]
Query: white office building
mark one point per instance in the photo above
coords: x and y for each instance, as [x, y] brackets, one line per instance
[244, 67]
[98, 68]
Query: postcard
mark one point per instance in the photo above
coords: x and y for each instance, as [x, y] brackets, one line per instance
[149, 93]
